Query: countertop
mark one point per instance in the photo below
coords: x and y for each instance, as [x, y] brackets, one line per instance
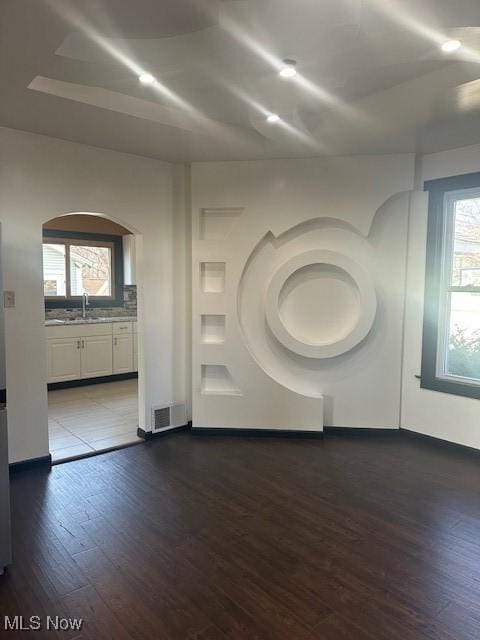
[53, 323]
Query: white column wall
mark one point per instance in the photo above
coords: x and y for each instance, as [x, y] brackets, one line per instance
[41, 178]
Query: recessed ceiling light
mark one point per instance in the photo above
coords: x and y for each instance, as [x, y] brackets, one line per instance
[273, 117]
[146, 78]
[451, 45]
[288, 71]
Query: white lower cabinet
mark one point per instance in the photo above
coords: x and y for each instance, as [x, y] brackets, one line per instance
[64, 359]
[123, 353]
[90, 350]
[96, 356]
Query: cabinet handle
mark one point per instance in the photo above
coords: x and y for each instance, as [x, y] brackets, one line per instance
[115, 341]
[83, 344]
[78, 344]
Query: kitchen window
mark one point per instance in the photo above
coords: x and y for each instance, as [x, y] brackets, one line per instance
[451, 331]
[78, 263]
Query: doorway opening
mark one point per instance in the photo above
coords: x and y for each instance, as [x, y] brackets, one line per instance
[90, 286]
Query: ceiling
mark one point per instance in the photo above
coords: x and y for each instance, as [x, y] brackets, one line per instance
[371, 75]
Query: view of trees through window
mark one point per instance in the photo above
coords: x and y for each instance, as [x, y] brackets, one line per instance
[462, 356]
[71, 269]
[90, 270]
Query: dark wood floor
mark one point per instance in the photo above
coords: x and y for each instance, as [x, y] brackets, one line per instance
[358, 538]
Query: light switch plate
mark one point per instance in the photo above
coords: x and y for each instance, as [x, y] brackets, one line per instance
[8, 299]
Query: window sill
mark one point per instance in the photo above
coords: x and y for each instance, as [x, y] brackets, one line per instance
[453, 388]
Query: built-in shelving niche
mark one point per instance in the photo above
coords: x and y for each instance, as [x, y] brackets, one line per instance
[217, 381]
[216, 224]
[212, 277]
[212, 329]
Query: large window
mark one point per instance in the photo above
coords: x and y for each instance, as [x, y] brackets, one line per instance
[74, 264]
[451, 337]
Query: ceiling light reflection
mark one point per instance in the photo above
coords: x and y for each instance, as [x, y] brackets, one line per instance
[287, 72]
[78, 21]
[399, 14]
[146, 78]
[237, 32]
[295, 132]
[450, 46]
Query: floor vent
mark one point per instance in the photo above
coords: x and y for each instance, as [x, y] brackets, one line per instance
[168, 416]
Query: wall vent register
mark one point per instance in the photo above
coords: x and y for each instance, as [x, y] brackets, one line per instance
[168, 416]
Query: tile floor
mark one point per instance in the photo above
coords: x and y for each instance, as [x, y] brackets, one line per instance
[86, 419]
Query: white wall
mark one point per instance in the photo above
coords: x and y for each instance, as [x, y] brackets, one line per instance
[41, 178]
[441, 415]
[274, 211]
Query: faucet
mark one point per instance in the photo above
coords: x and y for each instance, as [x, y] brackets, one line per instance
[85, 304]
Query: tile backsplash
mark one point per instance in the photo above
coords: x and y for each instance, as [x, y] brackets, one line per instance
[130, 298]
[129, 308]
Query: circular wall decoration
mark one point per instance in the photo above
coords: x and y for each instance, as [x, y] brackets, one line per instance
[320, 304]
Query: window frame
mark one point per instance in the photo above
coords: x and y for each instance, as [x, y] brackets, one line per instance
[54, 236]
[442, 194]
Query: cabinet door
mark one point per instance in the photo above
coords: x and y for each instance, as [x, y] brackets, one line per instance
[96, 356]
[123, 353]
[63, 355]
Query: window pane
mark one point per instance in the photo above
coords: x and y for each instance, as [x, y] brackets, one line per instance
[54, 270]
[90, 270]
[463, 340]
[466, 243]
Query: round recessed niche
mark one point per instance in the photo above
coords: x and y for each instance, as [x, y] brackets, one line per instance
[320, 304]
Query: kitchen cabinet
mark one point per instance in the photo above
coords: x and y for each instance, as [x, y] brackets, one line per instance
[96, 358]
[122, 347]
[79, 351]
[64, 359]
[123, 353]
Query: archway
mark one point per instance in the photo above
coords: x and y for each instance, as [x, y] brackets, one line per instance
[90, 278]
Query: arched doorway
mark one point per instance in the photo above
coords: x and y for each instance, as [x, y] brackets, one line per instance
[90, 284]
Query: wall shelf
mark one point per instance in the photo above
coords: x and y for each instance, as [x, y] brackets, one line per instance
[216, 380]
[212, 329]
[212, 277]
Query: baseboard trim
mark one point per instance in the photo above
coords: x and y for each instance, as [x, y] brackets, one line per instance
[365, 431]
[401, 432]
[69, 384]
[149, 435]
[44, 462]
[439, 442]
[263, 433]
